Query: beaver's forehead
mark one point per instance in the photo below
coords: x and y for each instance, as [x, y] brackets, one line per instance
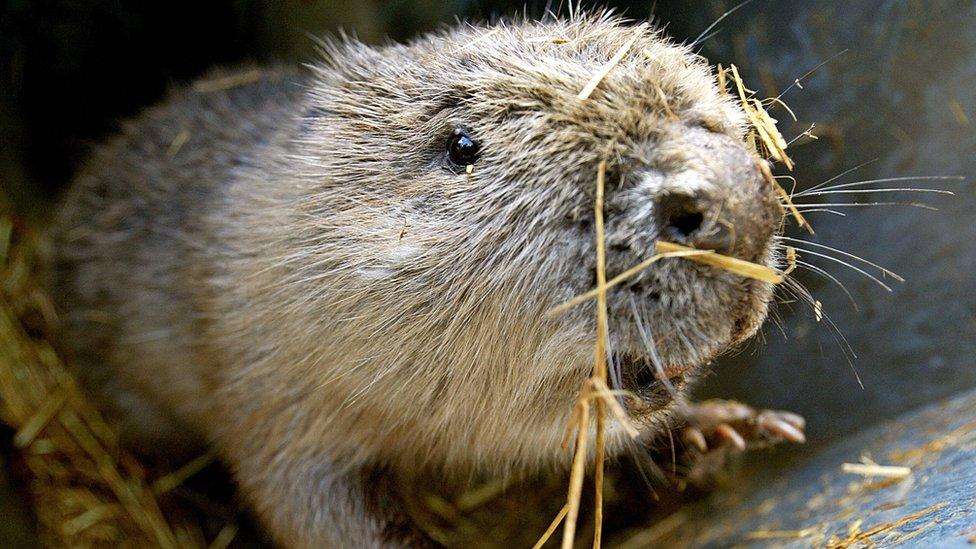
[541, 69]
[628, 103]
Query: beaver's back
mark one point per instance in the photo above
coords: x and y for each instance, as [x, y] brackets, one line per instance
[132, 250]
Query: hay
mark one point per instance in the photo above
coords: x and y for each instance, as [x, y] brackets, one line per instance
[599, 375]
[86, 490]
[765, 136]
[856, 537]
[629, 273]
[552, 527]
[784, 196]
[731, 264]
[875, 470]
[790, 260]
[763, 124]
[594, 390]
[177, 144]
[781, 534]
[605, 70]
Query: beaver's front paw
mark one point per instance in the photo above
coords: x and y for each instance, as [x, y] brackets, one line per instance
[713, 424]
[719, 429]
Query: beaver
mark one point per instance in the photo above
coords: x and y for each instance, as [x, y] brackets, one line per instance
[337, 275]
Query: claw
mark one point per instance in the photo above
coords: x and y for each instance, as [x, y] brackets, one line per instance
[726, 432]
[694, 437]
[795, 420]
[777, 424]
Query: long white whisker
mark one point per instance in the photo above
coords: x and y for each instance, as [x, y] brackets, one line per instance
[802, 206]
[835, 332]
[884, 270]
[616, 381]
[648, 339]
[777, 319]
[721, 18]
[805, 133]
[825, 210]
[841, 174]
[888, 190]
[809, 72]
[880, 180]
[823, 272]
[705, 39]
[846, 264]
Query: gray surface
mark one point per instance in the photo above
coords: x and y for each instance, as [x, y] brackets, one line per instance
[938, 443]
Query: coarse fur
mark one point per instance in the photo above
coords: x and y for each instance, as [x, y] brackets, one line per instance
[292, 271]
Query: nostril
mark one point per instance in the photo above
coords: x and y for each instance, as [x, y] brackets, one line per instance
[680, 216]
[687, 223]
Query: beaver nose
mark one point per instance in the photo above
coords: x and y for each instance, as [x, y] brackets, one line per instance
[693, 221]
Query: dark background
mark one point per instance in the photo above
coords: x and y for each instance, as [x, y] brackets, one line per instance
[902, 95]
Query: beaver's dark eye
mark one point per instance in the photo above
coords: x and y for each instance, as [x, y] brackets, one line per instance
[462, 150]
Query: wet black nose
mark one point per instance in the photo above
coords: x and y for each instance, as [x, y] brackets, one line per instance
[692, 221]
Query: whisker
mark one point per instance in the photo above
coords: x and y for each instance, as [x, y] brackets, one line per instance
[796, 82]
[721, 18]
[656, 361]
[834, 331]
[884, 270]
[825, 210]
[645, 465]
[802, 207]
[832, 278]
[846, 264]
[841, 174]
[779, 323]
[801, 293]
[805, 133]
[705, 39]
[885, 190]
[616, 381]
[880, 180]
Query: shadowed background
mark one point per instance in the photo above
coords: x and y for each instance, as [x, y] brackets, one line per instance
[901, 96]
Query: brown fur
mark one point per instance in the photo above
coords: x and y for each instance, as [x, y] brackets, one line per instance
[306, 286]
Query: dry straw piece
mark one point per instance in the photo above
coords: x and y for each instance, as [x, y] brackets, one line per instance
[629, 273]
[731, 264]
[875, 470]
[790, 260]
[785, 196]
[233, 80]
[605, 70]
[594, 392]
[764, 127]
[599, 375]
[859, 539]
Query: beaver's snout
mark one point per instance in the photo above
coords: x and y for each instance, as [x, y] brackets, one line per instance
[737, 224]
[708, 192]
